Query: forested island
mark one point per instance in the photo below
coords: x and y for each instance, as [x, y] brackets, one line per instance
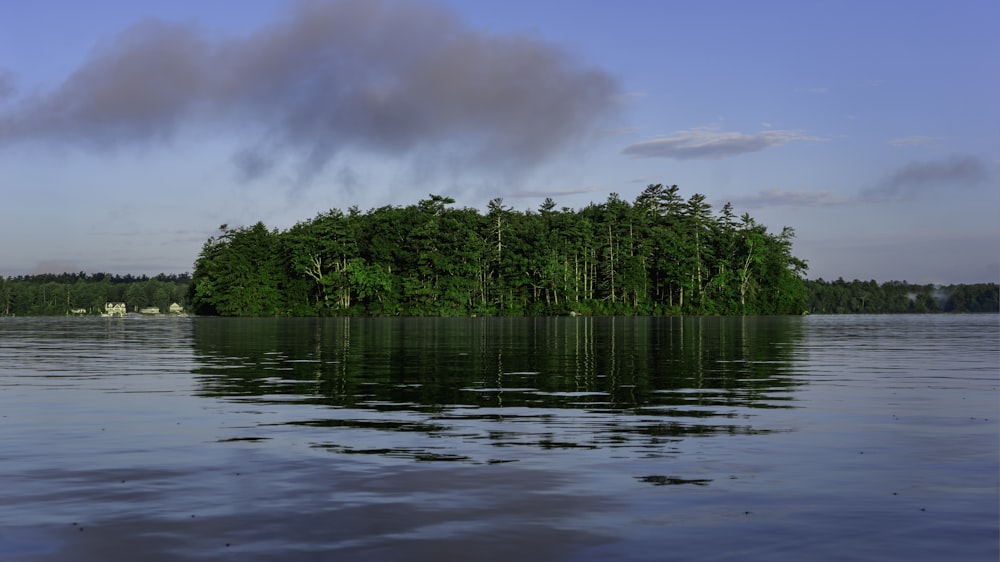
[659, 255]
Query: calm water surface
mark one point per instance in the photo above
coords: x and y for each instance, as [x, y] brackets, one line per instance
[818, 437]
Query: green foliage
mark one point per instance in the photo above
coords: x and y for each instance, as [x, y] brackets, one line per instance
[895, 297]
[49, 294]
[240, 273]
[659, 255]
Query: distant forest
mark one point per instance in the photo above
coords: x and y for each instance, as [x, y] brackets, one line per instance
[893, 297]
[50, 294]
[659, 255]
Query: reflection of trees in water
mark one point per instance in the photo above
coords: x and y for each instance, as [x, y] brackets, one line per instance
[548, 383]
[620, 363]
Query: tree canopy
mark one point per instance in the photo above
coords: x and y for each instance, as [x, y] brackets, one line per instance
[895, 297]
[54, 294]
[661, 254]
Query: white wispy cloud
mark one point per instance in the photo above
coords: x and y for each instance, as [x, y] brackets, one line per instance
[557, 191]
[913, 140]
[710, 143]
[904, 183]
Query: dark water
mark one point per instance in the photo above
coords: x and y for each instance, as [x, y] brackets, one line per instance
[812, 438]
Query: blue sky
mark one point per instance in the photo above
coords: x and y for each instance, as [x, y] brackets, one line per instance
[130, 130]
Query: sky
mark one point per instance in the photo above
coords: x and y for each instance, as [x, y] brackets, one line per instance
[131, 130]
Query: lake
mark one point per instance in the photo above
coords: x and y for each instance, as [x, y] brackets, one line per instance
[785, 438]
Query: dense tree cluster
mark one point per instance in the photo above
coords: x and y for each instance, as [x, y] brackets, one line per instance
[661, 254]
[893, 297]
[49, 294]
[431, 259]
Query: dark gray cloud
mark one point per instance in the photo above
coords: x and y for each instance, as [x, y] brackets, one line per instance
[393, 77]
[709, 143]
[137, 88]
[917, 177]
[786, 198]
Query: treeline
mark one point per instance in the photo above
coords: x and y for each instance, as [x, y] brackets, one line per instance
[58, 294]
[894, 297]
[660, 254]
[54, 294]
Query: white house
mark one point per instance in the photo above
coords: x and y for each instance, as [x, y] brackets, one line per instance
[112, 309]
